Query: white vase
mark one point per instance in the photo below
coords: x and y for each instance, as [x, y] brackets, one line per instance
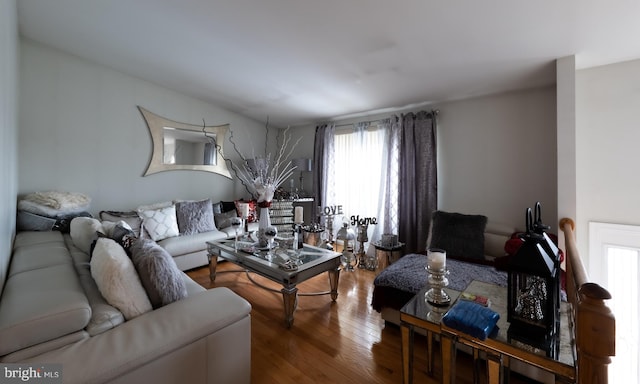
[263, 222]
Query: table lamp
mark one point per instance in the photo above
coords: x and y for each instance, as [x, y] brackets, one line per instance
[302, 165]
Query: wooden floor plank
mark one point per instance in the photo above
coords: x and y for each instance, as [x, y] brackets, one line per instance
[330, 342]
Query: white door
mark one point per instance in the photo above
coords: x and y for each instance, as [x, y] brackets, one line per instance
[614, 254]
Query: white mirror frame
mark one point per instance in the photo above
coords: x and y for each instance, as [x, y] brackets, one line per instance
[156, 125]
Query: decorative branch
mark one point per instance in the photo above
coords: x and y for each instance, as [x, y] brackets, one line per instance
[264, 177]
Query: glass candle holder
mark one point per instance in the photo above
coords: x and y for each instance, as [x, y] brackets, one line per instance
[437, 278]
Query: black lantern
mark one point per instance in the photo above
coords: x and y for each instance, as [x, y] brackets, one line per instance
[534, 289]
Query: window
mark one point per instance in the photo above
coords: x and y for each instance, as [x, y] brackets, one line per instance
[358, 172]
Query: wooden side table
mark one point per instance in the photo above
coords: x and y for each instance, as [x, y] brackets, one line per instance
[419, 313]
[499, 349]
[389, 254]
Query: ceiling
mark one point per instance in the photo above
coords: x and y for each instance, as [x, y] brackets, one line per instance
[304, 61]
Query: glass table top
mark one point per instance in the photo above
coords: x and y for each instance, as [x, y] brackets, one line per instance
[419, 308]
[287, 260]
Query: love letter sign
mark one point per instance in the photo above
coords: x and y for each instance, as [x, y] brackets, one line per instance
[331, 210]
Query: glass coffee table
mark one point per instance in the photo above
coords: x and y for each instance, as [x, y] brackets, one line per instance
[284, 266]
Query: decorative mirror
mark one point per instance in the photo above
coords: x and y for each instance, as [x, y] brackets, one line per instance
[185, 146]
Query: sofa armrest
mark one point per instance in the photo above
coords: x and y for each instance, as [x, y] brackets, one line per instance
[137, 342]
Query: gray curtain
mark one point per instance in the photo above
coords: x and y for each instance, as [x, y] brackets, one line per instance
[323, 165]
[418, 190]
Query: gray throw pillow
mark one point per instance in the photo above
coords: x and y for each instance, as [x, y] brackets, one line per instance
[130, 217]
[462, 236]
[158, 272]
[223, 220]
[195, 216]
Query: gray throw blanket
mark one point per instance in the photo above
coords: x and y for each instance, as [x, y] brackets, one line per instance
[409, 274]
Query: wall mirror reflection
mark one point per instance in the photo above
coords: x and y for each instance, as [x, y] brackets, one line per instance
[181, 146]
[184, 147]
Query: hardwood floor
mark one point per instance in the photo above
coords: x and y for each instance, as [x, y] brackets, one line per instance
[330, 342]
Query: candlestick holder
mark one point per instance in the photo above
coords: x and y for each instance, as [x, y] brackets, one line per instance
[362, 238]
[436, 295]
[329, 230]
[297, 236]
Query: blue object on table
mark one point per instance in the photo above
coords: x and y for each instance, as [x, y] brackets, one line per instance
[473, 319]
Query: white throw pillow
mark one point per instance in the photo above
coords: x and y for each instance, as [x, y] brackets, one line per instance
[117, 279]
[84, 231]
[160, 223]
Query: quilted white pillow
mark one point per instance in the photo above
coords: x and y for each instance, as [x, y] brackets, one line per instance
[160, 223]
[117, 279]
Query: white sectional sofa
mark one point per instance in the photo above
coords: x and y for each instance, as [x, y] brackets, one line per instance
[52, 312]
[187, 245]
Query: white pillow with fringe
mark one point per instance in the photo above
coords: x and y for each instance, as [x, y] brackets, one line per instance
[117, 279]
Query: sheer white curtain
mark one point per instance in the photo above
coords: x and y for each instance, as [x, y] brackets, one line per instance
[323, 166]
[365, 175]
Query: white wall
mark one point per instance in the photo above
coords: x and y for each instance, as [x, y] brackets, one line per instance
[566, 133]
[8, 130]
[496, 155]
[607, 139]
[80, 131]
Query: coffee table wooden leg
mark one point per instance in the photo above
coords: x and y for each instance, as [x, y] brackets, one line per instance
[430, 353]
[290, 299]
[334, 276]
[493, 369]
[506, 369]
[213, 264]
[407, 353]
[476, 365]
[447, 348]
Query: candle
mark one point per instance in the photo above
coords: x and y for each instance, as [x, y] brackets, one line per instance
[298, 215]
[436, 259]
[244, 210]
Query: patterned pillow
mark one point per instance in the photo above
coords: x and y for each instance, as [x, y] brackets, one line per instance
[160, 223]
[195, 216]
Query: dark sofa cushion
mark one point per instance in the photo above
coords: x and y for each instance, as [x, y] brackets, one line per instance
[223, 220]
[462, 236]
